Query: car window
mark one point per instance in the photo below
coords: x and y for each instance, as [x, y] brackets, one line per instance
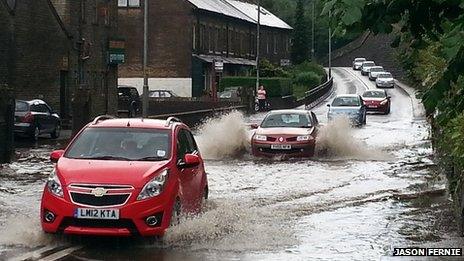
[359, 60]
[192, 144]
[346, 101]
[295, 120]
[368, 64]
[376, 69]
[154, 94]
[183, 144]
[315, 121]
[123, 92]
[385, 75]
[134, 92]
[21, 106]
[374, 94]
[121, 144]
[42, 108]
[167, 94]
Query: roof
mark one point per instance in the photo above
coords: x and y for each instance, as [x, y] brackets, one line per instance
[296, 111]
[226, 60]
[240, 10]
[221, 7]
[133, 123]
[266, 18]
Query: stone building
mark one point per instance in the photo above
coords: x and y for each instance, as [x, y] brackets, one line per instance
[186, 37]
[58, 51]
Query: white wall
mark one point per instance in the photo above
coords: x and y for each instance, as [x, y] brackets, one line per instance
[180, 86]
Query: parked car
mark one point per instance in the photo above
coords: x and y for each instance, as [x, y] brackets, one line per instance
[377, 100]
[385, 80]
[374, 72]
[357, 63]
[124, 177]
[350, 106]
[366, 66]
[35, 117]
[128, 101]
[290, 133]
[162, 94]
[230, 93]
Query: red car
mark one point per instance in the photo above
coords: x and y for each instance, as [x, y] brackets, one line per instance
[289, 133]
[377, 100]
[124, 177]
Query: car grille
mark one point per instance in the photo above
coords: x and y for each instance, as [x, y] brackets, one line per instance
[277, 152]
[98, 223]
[103, 201]
[291, 139]
[271, 138]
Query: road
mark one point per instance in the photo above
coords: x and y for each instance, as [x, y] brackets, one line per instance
[368, 190]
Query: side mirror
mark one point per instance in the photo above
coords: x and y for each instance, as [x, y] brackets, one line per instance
[254, 126]
[190, 161]
[56, 155]
[389, 97]
[328, 105]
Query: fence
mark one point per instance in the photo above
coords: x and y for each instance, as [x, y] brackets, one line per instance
[7, 108]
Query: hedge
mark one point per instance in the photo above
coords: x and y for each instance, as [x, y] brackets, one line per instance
[275, 87]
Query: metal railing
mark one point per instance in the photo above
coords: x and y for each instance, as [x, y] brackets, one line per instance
[316, 95]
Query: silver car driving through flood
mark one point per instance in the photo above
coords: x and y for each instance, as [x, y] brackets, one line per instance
[374, 72]
[357, 63]
[385, 80]
[366, 66]
[350, 106]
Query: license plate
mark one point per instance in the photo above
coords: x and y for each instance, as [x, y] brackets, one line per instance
[281, 147]
[372, 106]
[92, 213]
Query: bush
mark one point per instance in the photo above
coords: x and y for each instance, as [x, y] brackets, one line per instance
[275, 87]
[308, 79]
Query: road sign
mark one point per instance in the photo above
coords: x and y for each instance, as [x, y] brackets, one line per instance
[218, 65]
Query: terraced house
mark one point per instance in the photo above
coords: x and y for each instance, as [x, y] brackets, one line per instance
[186, 37]
[58, 51]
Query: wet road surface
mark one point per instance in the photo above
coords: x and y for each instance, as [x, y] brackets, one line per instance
[369, 189]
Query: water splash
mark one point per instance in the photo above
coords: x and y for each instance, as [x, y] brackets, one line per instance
[224, 136]
[336, 140]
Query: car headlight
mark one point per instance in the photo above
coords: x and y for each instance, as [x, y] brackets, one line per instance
[260, 137]
[54, 184]
[303, 138]
[383, 102]
[155, 186]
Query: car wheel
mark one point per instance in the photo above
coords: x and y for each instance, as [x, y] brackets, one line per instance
[256, 107]
[176, 212]
[35, 134]
[56, 133]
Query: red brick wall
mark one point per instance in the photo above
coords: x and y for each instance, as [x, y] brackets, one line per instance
[169, 39]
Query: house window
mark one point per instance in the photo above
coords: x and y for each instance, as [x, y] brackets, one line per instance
[194, 37]
[231, 41]
[129, 3]
[202, 37]
[210, 39]
[275, 43]
[216, 39]
[267, 43]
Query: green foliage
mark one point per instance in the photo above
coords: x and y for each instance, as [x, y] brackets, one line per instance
[275, 87]
[268, 69]
[300, 47]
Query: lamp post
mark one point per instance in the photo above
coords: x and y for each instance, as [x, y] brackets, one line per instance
[145, 60]
[258, 45]
[330, 45]
[313, 18]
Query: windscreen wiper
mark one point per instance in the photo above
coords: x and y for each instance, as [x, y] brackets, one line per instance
[151, 158]
[107, 158]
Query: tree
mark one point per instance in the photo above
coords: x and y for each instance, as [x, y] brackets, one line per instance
[300, 44]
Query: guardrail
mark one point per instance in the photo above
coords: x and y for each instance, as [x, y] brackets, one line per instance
[317, 94]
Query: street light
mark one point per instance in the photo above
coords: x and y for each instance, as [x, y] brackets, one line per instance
[145, 60]
[313, 18]
[258, 45]
[330, 45]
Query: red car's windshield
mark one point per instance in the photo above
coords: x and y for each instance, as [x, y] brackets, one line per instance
[121, 144]
[292, 120]
[374, 94]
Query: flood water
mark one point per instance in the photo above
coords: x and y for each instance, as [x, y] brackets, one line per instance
[367, 191]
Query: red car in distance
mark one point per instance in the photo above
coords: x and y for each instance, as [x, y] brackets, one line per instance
[124, 177]
[377, 100]
[290, 133]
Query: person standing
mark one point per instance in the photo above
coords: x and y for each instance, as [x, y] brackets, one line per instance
[261, 98]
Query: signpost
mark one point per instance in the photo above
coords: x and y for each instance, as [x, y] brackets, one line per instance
[117, 50]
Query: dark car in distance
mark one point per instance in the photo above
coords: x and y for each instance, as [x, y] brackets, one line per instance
[128, 100]
[35, 117]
